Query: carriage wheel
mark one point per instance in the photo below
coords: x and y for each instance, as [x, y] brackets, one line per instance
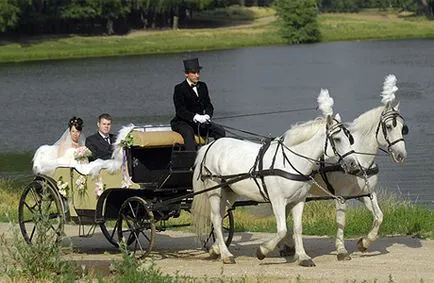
[137, 226]
[228, 231]
[110, 232]
[40, 214]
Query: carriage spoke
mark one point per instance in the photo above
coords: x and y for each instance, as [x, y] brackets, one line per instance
[115, 229]
[146, 236]
[33, 233]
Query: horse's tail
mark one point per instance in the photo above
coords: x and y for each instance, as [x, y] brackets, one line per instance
[200, 208]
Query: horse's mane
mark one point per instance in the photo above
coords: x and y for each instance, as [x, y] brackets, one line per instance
[302, 132]
[367, 122]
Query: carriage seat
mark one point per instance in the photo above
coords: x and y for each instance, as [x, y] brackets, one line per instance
[161, 138]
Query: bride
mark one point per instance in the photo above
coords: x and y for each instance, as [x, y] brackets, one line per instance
[68, 151]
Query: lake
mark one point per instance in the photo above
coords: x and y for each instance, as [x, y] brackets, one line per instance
[38, 98]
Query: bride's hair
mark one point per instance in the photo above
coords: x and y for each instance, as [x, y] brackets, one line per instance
[76, 122]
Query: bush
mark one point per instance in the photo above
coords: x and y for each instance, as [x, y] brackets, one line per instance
[41, 261]
[298, 20]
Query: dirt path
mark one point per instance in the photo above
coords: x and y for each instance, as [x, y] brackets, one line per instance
[391, 259]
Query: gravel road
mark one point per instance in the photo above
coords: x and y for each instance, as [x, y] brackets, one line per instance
[390, 259]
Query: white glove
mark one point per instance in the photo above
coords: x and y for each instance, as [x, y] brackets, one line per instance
[199, 118]
[207, 118]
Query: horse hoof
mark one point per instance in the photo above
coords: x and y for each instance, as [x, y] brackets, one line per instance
[344, 256]
[287, 251]
[360, 246]
[259, 254]
[307, 263]
[229, 260]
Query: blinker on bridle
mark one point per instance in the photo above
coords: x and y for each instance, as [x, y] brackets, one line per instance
[385, 117]
[334, 129]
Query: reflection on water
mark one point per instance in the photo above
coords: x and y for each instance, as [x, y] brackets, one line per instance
[37, 99]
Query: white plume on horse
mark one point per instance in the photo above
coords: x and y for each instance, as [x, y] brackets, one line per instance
[325, 102]
[389, 89]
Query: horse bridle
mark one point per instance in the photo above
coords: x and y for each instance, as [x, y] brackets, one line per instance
[330, 131]
[385, 117]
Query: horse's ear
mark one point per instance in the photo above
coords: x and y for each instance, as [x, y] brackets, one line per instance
[338, 117]
[396, 108]
[388, 106]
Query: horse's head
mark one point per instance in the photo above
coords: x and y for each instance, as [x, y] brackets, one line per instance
[339, 142]
[391, 123]
[390, 132]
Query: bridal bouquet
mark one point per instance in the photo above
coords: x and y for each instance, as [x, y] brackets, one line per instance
[82, 153]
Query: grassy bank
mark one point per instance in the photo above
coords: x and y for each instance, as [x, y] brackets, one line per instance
[16, 162]
[250, 27]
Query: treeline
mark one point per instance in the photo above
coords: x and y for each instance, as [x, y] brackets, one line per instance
[420, 7]
[120, 16]
[101, 16]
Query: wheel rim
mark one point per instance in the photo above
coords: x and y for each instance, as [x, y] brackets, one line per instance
[228, 231]
[136, 226]
[40, 214]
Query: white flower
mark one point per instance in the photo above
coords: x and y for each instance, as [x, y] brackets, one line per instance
[126, 182]
[82, 153]
[99, 187]
[63, 187]
[81, 185]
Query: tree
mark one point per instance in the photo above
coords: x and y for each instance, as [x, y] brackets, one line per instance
[106, 10]
[426, 7]
[9, 14]
[298, 20]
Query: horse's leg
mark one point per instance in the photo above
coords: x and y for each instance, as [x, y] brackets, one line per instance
[303, 258]
[279, 213]
[342, 253]
[286, 246]
[372, 205]
[219, 247]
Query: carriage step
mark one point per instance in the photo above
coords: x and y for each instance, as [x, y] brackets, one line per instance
[84, 217]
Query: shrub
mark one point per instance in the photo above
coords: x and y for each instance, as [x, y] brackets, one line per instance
[298, 20]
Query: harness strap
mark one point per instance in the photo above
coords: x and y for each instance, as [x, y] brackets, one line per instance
[284, 174]
[323, 170]
[230, 179]
[323, 174]
[259, 163]
[373, 170]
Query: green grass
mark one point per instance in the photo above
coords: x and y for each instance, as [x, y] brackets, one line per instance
[263, 30]
[400, 217]
[373, 25]
[16, 162]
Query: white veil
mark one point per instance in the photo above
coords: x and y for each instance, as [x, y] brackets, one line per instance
[65, 142]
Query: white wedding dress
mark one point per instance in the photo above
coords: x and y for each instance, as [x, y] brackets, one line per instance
[61, 154]
[47, 159]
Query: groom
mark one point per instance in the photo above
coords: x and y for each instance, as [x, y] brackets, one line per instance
[101, 143]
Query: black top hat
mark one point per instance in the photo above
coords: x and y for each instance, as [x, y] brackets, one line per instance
[192, 65]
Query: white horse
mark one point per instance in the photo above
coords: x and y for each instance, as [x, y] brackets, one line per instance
[229, 168]
[379, 127]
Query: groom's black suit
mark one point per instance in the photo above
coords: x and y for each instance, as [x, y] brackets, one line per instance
[100, 147]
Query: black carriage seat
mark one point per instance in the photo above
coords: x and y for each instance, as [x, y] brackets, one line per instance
[157, 160]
